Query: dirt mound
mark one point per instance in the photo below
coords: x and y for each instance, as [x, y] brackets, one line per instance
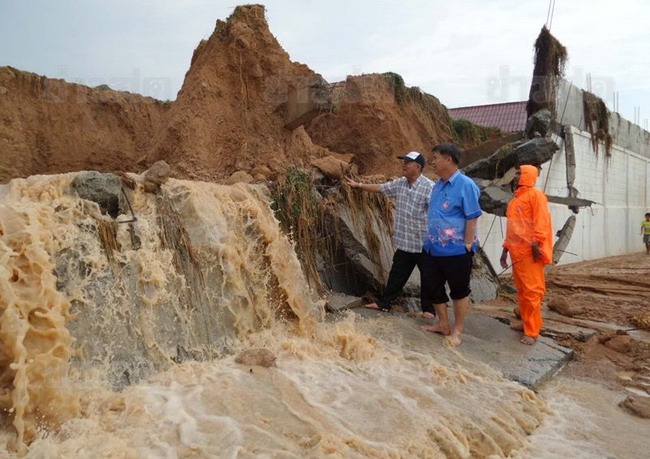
[229, 117]
[376, 117]
[49, 126]
[614, 290]
[229, 114]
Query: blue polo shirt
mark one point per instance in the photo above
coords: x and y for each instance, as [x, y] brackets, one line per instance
[452, 203]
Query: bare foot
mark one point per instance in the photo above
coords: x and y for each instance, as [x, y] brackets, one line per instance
[373, 306]
[437, 328]
[515, 311]
[454, 339]
[516, 325]
[427, 315]
[527, 340]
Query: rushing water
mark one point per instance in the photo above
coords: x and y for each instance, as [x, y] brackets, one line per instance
[118, 340]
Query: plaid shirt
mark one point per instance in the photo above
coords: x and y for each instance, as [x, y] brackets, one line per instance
[411, 205]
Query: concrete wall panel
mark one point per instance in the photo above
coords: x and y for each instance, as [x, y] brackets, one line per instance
[619, 184]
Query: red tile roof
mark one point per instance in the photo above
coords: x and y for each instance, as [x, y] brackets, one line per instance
[509, 117]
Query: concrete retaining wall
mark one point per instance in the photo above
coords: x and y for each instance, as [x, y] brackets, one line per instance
[625, 133]
[619, 183]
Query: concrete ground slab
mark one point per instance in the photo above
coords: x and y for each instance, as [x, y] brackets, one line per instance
[485, 340]
[554, 324]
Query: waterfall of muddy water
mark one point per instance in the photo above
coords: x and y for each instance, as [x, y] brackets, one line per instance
[118, 340]
[202, 266]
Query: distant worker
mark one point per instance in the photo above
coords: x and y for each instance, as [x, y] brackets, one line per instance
[450, 242]
[411, 193]
[529, 240]
[645, 230]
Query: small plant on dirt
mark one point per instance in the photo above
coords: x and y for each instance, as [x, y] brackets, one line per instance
[102, 87]
[297, 209]
[396, 83]
[466, 132]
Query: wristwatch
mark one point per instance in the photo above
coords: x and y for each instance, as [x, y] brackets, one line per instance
[468, 247]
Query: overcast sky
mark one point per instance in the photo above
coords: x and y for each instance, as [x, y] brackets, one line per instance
[464, 52]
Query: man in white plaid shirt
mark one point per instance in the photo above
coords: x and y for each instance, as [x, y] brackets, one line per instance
[411, 193]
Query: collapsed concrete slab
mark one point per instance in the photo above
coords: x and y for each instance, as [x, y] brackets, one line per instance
[536, 152]
[494, 199]
[571, 202]
[563, 238]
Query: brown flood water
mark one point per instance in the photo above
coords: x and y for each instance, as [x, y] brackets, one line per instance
[346, 389]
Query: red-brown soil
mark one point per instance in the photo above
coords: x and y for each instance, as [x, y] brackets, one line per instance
[370, 120]
[228, 116]
[49, 126]
[229, 113]
[614, 290]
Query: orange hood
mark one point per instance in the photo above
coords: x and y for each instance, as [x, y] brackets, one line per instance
[528, 176]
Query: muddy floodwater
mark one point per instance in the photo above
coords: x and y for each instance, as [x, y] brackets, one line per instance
[120, 340]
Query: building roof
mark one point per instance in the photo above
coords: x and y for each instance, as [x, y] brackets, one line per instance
[509, 117]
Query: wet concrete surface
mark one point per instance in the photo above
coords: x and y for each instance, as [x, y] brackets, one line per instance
[486, 340]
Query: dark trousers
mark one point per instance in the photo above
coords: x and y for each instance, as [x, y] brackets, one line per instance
[454, 270]
[403, 265]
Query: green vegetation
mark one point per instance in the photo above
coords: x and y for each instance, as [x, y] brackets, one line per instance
[396, 82]
[466, 132]
[297, 208]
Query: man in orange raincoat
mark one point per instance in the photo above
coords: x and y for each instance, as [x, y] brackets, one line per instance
[529, 240]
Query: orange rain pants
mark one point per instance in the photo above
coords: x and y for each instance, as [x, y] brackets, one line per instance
[531, 287]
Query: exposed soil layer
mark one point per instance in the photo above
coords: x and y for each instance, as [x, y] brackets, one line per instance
[377, 122]
[228, 117]
[49, 126]
[614, 290]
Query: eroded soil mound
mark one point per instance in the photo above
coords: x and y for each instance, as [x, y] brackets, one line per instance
[228, 117]
[49, 126]
[229, 114]
[377, 118]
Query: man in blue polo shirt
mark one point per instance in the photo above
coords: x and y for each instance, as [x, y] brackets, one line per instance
[450, 242]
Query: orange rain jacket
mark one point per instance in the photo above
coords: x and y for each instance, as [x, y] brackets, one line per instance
[529, 220]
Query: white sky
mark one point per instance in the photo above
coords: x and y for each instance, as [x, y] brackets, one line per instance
[465, 52]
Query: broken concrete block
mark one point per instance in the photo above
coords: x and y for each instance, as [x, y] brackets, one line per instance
[306, 101]
[536, 151]
[103, 189]
[494, 199]
[539, 123]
